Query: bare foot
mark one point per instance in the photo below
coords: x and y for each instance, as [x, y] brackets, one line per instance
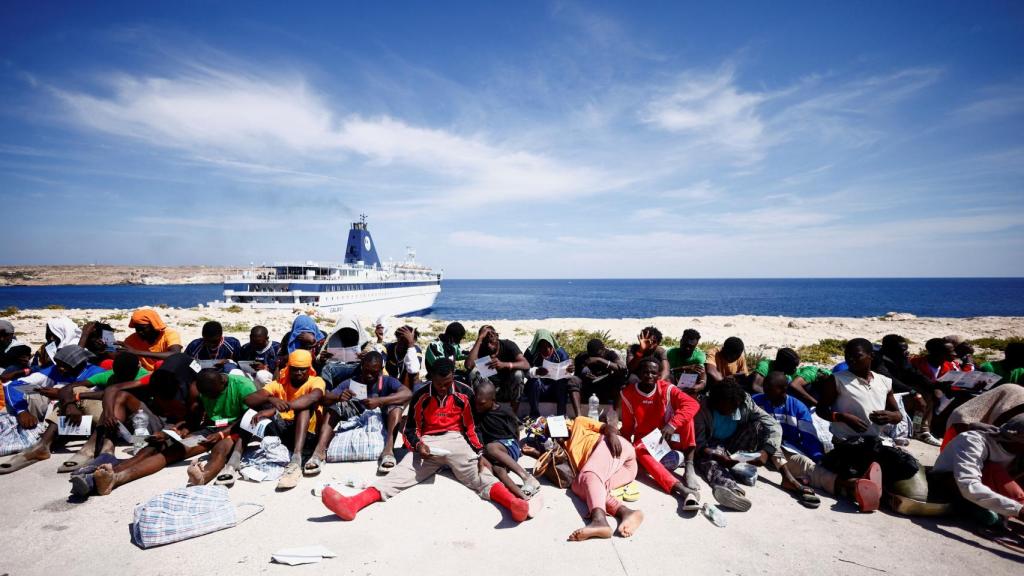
[104, 478]
[592, 530]
[629, 521]
[195, 474]
[37, 453]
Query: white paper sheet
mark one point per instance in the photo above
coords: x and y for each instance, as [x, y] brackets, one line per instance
[108, 339]
[556, 370]
[83, 429]
[484, 370]
[358, 389]
[687, 380]
[257, 429]
[348, 354]
[440, 452]
[557, 427]
[975, 380]
[302, 555]
[187, 442]
[51, 351]
[655, 444]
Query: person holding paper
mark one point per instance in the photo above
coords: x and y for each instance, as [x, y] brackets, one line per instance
[439, 431]
[295, 398]
[859, 402]
[341, 351]
[446, 346]
[403, 358]
[98, 338]
[260, 350]
[730, 422]
[689, 359]
[651, 404]
[729, 360]
[153, 340]
[506, 359]
[602, 372]
[803, 378]
[378, 390]
[213, 345]
[225, 398]
[60, 332]
[70, 364]
[550, 376]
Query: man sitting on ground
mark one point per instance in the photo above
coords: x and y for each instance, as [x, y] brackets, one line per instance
[651, 404]
[153, 340]
[939, 360]
[687, 358]
[295, 398]
[260, 350]
[403, 358]
[648, 346]
[1011, 367]
[730, 422]
[506, 358]
[71, 364]
[440, 431]
[729, 360]
[498, 429]
[213, 345]
[446, 346]
[601, 372]
[225, 398]
[382, 391]
[541, 385]
[802, 378]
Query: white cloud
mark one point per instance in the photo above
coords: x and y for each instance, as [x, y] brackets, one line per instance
[256, 124]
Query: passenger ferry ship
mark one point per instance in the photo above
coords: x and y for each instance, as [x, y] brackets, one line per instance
[360, 286]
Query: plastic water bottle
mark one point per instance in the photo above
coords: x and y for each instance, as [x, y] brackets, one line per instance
[140, 425]
[711, 512]
[594, 407]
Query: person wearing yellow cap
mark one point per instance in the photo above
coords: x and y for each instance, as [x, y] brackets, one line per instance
[293, 401]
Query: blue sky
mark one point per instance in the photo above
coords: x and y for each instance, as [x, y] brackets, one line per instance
[519, 139]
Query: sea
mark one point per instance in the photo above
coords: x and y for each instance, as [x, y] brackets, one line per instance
[526, 299]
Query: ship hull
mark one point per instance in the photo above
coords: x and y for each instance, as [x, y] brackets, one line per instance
[369, 303]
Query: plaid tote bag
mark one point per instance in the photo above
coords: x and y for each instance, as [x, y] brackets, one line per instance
[186, 513]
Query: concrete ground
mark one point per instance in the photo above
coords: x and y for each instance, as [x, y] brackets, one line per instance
[443, 528]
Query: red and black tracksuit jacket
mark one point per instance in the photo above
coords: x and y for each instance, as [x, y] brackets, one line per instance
[431, 415]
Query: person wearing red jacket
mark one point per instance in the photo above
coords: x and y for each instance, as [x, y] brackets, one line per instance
[940, 360]
[650, 404]
[440, 431]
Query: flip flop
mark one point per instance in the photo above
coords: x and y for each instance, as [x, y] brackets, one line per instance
[17, 462]
[628, 493]
[690, 503]
[291, 477]
[226, 478]
[530, 486]
[807, 498]
[79, 459]
[387, 463]
[313, 467]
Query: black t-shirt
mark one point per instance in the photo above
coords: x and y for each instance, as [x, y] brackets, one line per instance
[498, 424]
[508, 351]
[598, 369]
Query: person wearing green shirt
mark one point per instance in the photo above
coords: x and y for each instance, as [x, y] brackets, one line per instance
[446, 346]
[787, 361]
[225, 398]
[688, 359]
[102, 379]
[1011, 367]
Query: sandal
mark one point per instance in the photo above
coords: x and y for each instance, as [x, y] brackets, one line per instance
[387, 462]
[690, 502]
[313, 466]
[530, 486]
[807, 498]
[16, 462]
[628, 493]
[226, 478]
[80, 458]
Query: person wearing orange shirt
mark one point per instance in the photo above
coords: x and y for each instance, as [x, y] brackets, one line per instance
[152, 341]
[294, 404]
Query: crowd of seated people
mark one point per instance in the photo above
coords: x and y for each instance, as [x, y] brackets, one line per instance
[679, 414]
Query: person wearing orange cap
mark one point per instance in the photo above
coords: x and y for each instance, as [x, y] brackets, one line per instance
[153, 340]
[294, 403]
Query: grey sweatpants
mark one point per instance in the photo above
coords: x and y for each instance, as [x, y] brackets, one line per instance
[463, 462]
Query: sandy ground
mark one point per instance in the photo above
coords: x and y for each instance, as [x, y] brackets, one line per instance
[442, 528]
[766, 333]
